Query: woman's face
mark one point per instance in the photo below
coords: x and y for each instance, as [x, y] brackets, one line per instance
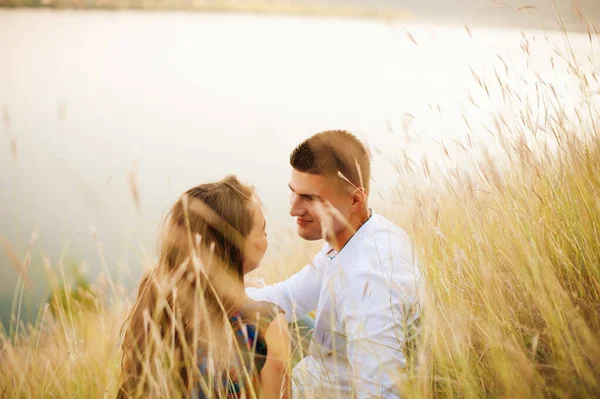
[256, 243]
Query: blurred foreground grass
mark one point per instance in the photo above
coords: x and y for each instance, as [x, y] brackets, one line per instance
[510, 253]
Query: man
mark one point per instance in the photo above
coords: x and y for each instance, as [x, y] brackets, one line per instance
[362, 283]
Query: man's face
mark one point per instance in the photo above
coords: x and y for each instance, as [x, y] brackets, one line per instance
[312, 200]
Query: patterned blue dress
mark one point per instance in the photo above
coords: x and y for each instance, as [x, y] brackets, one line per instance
[249, 325]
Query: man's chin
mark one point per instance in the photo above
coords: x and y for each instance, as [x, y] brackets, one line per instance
[309, 235]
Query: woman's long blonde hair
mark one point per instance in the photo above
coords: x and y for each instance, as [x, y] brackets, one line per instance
[183, 304]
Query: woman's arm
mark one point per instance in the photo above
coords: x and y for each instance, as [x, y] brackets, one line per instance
[275, 375]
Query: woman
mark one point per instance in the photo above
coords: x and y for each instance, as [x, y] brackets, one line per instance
[192, 331]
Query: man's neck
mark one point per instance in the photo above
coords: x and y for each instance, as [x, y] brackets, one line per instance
[356, 221]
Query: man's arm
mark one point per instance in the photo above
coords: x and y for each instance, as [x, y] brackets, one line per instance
[376, 314]
[297, 295]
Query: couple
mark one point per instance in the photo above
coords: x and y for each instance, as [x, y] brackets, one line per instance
[196, 329]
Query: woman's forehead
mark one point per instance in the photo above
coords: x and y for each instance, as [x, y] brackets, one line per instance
[258, 211]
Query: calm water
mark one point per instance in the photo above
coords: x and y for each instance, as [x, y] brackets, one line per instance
[175, 99]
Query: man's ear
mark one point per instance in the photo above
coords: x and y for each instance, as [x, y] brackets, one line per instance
[359, 199]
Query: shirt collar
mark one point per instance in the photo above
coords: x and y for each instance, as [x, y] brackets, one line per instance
[362, 230]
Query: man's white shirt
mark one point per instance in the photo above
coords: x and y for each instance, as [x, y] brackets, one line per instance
[365, 296]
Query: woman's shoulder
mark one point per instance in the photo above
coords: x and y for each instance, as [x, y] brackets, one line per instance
[260, 311]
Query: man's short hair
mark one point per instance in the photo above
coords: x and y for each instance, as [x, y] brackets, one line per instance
[333, 151]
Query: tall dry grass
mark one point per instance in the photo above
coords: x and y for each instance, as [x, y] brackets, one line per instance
[512, 265]
[510, 254]
[72, 353]
[510, 246]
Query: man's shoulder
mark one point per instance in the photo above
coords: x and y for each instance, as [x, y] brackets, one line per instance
[385, 243]
[385, 235]
[384, 226]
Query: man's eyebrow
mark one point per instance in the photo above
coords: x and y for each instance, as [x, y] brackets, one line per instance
[265, 225]
[304, 195]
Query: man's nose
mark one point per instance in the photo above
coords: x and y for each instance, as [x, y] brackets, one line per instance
[295, 206]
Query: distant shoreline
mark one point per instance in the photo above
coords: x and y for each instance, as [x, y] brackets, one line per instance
[505, 18]
[247, 7]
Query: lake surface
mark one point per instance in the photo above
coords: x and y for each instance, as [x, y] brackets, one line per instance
[94, 100]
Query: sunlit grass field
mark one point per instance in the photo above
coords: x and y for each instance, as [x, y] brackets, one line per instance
[509, 248]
